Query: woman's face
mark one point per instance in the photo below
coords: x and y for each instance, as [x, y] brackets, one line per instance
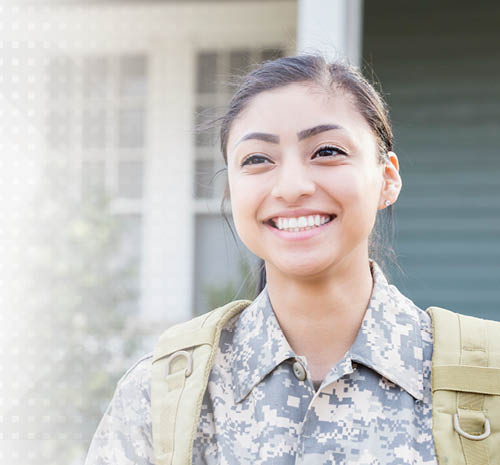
[297, 155]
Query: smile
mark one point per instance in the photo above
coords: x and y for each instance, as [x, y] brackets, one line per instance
[300, 223]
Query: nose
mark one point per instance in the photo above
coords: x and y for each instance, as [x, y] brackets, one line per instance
[293, 180]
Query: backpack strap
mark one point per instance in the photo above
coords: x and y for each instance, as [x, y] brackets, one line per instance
[182, 361]
[465, 388]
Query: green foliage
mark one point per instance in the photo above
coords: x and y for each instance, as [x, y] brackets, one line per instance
[243, 288]
[82, 293]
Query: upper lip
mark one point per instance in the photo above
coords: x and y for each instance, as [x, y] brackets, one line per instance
[297, 212]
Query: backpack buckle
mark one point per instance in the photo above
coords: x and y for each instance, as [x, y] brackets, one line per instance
[473, 437]
[184, 353]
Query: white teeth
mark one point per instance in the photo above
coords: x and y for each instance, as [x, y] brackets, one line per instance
[301, 222]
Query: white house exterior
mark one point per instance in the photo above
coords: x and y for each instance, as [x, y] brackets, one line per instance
[116, 88]
[108, 92]
[120, 85]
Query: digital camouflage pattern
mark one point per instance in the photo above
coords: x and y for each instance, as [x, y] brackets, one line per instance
[373, 408]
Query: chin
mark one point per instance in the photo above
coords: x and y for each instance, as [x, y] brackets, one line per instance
[302, 269]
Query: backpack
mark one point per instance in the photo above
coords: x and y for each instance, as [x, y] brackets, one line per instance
[465, 385]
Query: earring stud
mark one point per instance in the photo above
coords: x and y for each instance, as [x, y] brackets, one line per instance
[387, 203]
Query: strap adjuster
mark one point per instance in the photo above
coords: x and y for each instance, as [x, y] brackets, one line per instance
[473, 437]
[189, 358]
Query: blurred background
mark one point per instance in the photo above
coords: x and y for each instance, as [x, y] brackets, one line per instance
[110, 225]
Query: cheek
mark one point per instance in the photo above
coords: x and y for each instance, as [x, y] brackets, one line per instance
[346, 185]
[355, 190]
[244, 218]
[242, 205]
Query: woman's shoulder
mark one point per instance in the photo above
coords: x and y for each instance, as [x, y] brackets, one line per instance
[136, 381]
[138, 376]
[124, 432]
[422, 317]
[214, 326]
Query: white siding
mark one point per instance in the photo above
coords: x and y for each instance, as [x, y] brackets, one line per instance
[169, 35]
[443, 89]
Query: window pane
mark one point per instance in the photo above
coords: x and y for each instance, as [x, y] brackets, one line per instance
[94, 128]
[204, 173]
[222, 268]
[129, 256]
[130, 179]
[95, 77]
[131, 128]
[239, 61]
[133, 74]
[130, 232]
[93, 178]
[59, 128]
[60, 75]
[206, 72]
[205, 136]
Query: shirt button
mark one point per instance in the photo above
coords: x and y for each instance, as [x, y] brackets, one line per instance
[299, 371]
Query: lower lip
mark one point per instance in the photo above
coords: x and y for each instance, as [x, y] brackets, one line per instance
[299, 235]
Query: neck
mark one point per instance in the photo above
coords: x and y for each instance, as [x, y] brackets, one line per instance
[321, 317]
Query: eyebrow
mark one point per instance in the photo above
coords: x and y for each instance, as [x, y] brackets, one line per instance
[273, 139]
[304, 134]
[316, 130]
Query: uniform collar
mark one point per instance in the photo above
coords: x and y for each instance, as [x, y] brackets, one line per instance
[259, 345]
[389, 340]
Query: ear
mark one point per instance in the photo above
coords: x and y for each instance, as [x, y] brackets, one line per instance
[392, 181]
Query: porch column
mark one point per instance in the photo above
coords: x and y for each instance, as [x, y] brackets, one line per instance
[330, 27]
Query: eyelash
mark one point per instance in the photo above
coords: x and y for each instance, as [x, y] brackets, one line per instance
[330, 148]
[253, 157]
[325, 147]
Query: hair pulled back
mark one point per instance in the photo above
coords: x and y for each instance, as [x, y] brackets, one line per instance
[330, 77]
[314, 70]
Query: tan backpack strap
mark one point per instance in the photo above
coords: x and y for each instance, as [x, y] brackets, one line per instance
[466, 388]
[182, 361]
[480, 380]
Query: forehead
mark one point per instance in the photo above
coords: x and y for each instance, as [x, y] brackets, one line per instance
[296, 107]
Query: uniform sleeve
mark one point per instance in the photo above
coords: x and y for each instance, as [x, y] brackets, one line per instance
[124, 435]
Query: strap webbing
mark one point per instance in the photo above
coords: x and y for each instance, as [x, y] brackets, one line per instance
[176, 400]
[474, 379]
[176, 383]
[188, 339]
[470, 405]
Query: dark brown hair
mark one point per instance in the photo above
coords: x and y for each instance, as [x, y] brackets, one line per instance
[331, 77]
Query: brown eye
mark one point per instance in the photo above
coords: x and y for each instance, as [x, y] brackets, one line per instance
[329, 151]
[255, 160]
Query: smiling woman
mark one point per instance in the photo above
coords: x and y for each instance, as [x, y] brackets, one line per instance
[329, 363]
[318, 157]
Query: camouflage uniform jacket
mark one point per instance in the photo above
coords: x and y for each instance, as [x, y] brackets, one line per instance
[373, 408]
